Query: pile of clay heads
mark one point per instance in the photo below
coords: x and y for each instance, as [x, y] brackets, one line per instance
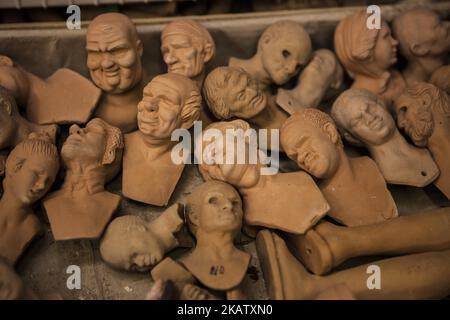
[349, 124]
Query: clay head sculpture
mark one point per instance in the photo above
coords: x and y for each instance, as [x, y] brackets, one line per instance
[187, 47]
[424, 40]
[92, 156]
[311, 138]
[171, 101]
[14, 79]
[135, 244]
[214, 211]
[441, 78]
[363, 120]
[423, 112]
[283, 48]
[30, 171]
[114, 52]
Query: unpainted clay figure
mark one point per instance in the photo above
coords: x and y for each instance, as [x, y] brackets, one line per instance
[321, 79]
[363, 120]
[214, 214]
[441, 78]
[286, 201]
[132, 243]
[326, 246]
[423, 112]
[187, 47]
[368, 56]
[114, 53]
[15, 128]
[64, 97]
[283, 48]
[31, 168]
[424, 40]
[82, 208]
[171, 101]
[416, 276]
[311, 138]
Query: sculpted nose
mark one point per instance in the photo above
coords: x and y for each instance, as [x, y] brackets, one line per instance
[107, 62]
[39, 185]
[170, 58]
[227, 205]
[75, 129]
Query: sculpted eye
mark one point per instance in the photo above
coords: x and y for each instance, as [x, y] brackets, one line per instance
[286, 53]
[213, 200]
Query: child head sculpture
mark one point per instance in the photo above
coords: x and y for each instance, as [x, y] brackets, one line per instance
[362, 118]
[214, 207]
[31, 169]
[170, 101]
[114, 53]
[311, 138]
[364, 51]
[231, 92]
[419, 108]
[187, 47]
[98, 146]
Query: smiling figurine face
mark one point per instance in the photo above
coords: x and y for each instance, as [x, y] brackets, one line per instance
[114, 53]
[362, 116]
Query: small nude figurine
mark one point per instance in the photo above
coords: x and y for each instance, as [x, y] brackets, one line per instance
[31, 168]
[171, 101]
[64, 97]
[311, 138]
[368, 56]
[423, 112]
[363, 119]
[283, 48]
[134, 244]
[424, 40]
[82, 208]
[114, 53]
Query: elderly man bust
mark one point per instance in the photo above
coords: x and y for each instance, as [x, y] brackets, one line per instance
[82, 208]
[114, 53]
[423, 112]
[171, 101]
[363, 120]
[424, 40]
[311, 138]
[31, 169]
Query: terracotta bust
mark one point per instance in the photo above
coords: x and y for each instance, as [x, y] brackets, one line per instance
[53, 100]
[321, 79]
[15, 128]
[187, 47]
[311, 138]
[82, 208]
[232, 93]
[368, 56]
[424, 40]
[133, 243]
[214, 213]
[363, 119]
[441, 78]
[416, 276]
[289, 202]
[171, 101]
[31, 168]
[283, 48]
[423, 112]
[114, 53]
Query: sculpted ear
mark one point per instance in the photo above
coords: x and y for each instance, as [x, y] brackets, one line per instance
[6, 61]
[191, 110]
[352, 140]
[140, 47]
[208, 52]
[332, 132]
[419, 49]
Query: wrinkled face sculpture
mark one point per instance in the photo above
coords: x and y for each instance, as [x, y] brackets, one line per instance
[114, 53]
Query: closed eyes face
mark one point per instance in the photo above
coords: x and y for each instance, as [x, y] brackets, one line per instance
[87, 144]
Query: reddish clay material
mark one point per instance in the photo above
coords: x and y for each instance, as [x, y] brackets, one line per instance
[363, 120]
[82, 208]
[338, 292]
[368, 55]
[31, 168]
[423, 112]
[326, 246]
[64, 97]
[114, 53]
[133, 243]
[311, 138]
[171, 101]
[286, 201]
[427, 275]
[424, 40]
